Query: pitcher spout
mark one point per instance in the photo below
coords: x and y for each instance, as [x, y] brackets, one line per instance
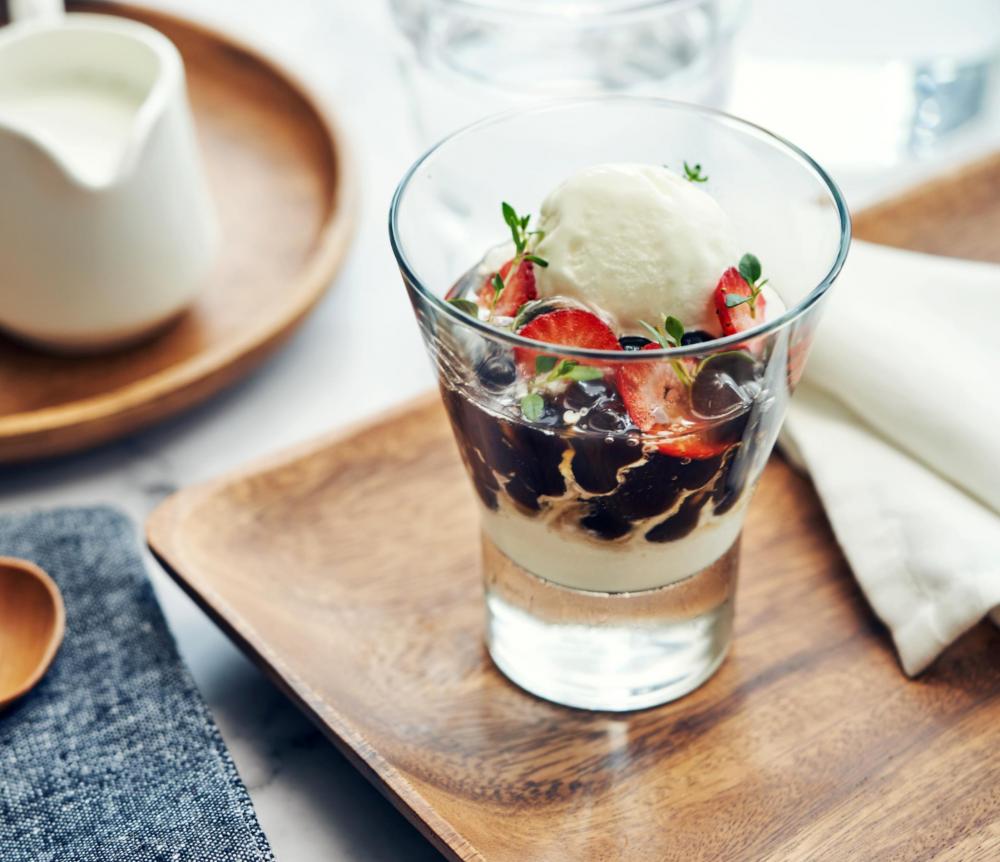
[81, 96]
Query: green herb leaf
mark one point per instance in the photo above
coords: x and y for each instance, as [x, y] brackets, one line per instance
[563, 368]
[466, 305]
[585, 372]
[498, 287]
[534, 258]
[544, 364]
[750, 269]
[517, 225]
[657, 335]
[532, 407]
[509, 215]
[674, 329]
[734, 299]
[693, 173]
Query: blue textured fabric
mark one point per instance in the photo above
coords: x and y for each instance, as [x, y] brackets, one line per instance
[114, 755]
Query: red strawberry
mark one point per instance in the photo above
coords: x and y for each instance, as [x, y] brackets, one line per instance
[656, 400]
[572, 327]
[739, 318]
[652, 392]
[519, 288]
[694, 446]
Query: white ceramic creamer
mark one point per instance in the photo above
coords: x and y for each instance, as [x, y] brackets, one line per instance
[107, 230]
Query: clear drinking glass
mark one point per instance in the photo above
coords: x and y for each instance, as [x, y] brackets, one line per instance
[610, 555]
[475, 56]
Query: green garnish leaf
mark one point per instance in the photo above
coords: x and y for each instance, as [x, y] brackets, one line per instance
[652, 330]
[534, 258]
[532, 407]
[466, 305]
[674, 329]
[585, 372]
[518, 226]
[693, 173]
[544, 364]
[498, 287]
[563, 368]
[750, 269]
[670, 337]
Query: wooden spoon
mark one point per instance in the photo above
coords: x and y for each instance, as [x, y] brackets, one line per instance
[32, 624]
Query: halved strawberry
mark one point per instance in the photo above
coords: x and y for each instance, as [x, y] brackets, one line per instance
[652, 392]
[571, 327]
[738, 318]
[695, 446]
[519, 288]
[658, 402]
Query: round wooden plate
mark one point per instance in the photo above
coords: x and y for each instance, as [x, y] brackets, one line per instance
[286, 202]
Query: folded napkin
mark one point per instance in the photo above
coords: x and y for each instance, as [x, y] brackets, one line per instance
[898, 421]
[114, 755]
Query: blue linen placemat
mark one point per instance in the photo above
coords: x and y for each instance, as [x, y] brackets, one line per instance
[114, 755]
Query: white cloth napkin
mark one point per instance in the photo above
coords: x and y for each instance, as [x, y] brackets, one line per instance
[898, 422]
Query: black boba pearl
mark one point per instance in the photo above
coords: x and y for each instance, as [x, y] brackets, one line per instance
[526, 456]
[521, 492]
[633, 342]
[681, 523]
[740, 461]
[604, 524]
[596, 461]
[653, 488]
[531, 458]
[496, 371]
[696, 336]
[585, 393]
[725, 383]
[646, 490]
[698, 472]
[607, 417]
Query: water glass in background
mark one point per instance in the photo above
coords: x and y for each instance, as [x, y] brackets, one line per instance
[865, 86]
[478, 56]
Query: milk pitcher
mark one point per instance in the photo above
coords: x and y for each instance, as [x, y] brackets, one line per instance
[107, 229]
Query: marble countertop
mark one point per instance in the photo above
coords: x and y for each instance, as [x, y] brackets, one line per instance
[311, 802]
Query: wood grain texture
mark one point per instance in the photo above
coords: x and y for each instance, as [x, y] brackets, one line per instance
[286, 197]
[349, 570]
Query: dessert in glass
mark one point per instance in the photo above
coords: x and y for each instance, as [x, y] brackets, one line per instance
[618, 296]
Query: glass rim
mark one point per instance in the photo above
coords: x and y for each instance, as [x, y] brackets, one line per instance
[715, 345]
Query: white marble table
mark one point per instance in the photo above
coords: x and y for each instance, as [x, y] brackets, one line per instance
[358, 353]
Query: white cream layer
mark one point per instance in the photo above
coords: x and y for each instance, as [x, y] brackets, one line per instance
[583, 563]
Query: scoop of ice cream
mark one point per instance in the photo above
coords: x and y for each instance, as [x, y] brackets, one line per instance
[636, 241]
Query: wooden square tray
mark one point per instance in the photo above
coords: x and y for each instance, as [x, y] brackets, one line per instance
[349, 570]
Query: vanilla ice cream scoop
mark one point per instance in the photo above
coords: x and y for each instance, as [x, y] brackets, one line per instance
[637, 241]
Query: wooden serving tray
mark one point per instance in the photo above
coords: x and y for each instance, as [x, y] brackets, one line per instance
[349, 570]
[285, 197]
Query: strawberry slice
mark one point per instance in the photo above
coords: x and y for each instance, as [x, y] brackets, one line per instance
[739, 318]
[519, 288]
[572, 327]
[652, 392]
[694, 446]
[658, 401]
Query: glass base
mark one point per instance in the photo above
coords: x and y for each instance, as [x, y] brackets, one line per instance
[607, 651]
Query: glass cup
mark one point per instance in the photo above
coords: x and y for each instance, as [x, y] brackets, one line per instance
[610, 554]
[474, 56]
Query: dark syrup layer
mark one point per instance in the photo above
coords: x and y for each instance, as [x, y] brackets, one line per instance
[619, 481]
